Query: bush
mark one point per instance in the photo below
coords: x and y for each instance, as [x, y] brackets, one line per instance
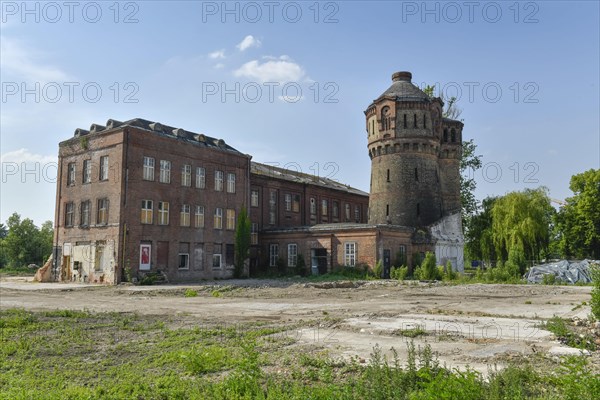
[595, 302]
[399, 273]
[378, 270]
[300, 265]
[448, 273]
[428, 271]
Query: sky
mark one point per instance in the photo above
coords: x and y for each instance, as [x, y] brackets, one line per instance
[288, 82]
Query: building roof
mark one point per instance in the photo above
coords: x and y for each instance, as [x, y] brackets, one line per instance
[338, 227]
[157, 128]
[302, 178]
[403, 89]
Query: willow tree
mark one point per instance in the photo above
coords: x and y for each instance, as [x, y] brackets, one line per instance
[521, 225]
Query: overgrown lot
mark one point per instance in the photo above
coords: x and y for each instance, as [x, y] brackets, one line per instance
[83, 355]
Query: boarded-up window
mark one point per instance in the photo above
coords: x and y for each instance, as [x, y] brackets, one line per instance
[198, 256]
[162, 255]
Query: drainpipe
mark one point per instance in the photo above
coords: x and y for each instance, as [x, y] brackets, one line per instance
[55, 261]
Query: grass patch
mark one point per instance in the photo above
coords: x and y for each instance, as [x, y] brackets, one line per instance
[84, 355]
[568, 336]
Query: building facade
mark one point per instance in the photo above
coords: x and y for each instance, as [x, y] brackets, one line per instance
[140, 197]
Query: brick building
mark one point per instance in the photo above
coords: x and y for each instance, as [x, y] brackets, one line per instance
[137, 196]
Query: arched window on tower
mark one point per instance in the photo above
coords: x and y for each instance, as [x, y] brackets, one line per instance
[453, 135]
[445, 135]
[415, 120]
[405, 124]
[385, 118]
[424, 121]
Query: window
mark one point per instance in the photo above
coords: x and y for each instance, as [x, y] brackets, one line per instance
[313, 205]
[296, 203]
[324, 206]
[230, 214]
[273, 254]
[416, 175]
[254, 198]
[69, 210]
[184, 216]
[356, 214]
[445, 135]
[87, 171]
[230, 183]
[273, 207]
[292, 254]
[424, 121]
[335, 209]
[84, 219]
[199, 217]
[165, 171]
[218, 222]
[217, 255]
[186, 175]
[163, 213]
[415, 120]
[347, 210]
[288, 202]
[453, 136]
[147, 212]
[387, 210]
[184, 256]
[229, 254]
[200, 178]
[388, 175]
[405, 125]
[71, 174]
[401, 256]
[148, 174]
[219, 181]
[254, 234]
[102, 218]
[103, 168]
[350, 254]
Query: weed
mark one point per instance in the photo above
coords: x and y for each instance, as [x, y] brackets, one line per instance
[190, 293]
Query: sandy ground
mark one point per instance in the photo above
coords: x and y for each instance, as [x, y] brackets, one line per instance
[475, 325]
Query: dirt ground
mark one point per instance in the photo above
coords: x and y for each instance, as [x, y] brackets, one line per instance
[476, 325]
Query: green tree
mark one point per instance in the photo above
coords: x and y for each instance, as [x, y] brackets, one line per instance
[3, 231]
[479, 243]
[578, 221]
[428, 269]
[521, 224]
[470, 161]
[25, 243]
[242, 242]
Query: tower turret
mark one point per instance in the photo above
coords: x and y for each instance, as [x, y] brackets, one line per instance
[405, 132]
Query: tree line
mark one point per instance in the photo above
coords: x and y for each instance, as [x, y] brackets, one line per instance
[23, 243]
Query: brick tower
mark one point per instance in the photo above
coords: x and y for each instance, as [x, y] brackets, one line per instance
[415, 155]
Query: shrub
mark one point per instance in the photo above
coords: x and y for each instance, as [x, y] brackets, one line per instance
[449, 274]
[190, 293]
[399, 273]
[378, 270]
[428, 270]
[300, 265]
[595, 302]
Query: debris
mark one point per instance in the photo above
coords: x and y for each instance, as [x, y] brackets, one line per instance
[564, 271]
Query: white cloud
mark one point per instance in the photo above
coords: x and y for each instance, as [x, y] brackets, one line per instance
[25, 62]
[25, 156]
[279, 70]
[218, 54]
[219, 66]
[249, 41]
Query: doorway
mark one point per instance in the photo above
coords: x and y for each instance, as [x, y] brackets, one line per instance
[318, 262]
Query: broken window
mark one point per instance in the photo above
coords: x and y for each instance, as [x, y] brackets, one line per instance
[163, 213]
[273, 254]
[148, 174]
[71, 174]
[292, 254]
[217, 255]
[87, 171]
[165, 171]
[184, 256]
[184, 216]
[85, 213]
[103, 168]
[200, 178]
[218, 220]
[186, 175]
[219, 181]
[69, 214]
[102, 217]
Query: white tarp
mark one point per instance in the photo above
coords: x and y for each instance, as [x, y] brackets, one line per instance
[564, 271]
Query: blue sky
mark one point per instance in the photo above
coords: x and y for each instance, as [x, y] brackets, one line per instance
[287, 82]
